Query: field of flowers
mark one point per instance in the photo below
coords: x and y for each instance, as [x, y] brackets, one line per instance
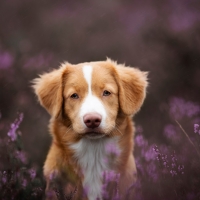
[165, 171]
[160, 37]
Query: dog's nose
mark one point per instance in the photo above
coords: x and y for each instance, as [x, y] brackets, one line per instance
[92, 120]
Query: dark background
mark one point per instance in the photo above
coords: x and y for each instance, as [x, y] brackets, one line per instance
[162, 37]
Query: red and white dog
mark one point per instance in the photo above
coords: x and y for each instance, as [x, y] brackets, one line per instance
[91, 105]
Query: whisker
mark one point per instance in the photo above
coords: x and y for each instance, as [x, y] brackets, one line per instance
[113, 129]
[111, 132]
[118, 129]
[70, 128]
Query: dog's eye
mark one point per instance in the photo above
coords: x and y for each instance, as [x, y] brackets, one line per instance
[74, 96]
[106, 93]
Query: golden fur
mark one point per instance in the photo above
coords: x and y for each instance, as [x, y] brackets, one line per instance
[128, 89]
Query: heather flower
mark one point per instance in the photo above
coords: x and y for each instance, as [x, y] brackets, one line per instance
[14, 126]
[4, 177]
[148, 153]
[140, 141]
[36, 191]
[139, 165]
[139, 129]
[161, 158]
[53, 175]
[12, 132]
[170, 166]
[180, 169]
[173, 165]
[111, 148]
[110, 176]
[155, 148]
[20, 155]
[116, 197]
[170, 131]
[152, 171]
[173, 172]
[104, 191]
[24, 182]
[173, 158]
[85, 191]
[180, 108]
[196, 128]
[49, 194]
[32, 173]
[6, 60]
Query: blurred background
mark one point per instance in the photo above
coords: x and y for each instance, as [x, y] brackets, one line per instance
[162, 37]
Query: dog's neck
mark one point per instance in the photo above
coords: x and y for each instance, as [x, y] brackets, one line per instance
[93, 159]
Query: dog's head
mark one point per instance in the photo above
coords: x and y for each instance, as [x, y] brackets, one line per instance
[90, 96]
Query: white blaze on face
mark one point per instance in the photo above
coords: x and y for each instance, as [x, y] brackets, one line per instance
[91, 104]
[92, 154]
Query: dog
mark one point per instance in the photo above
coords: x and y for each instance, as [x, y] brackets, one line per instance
[91, 106]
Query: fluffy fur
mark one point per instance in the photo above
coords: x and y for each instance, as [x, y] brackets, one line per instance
[91, 106]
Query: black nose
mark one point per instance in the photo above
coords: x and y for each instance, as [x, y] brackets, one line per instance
[92, 120]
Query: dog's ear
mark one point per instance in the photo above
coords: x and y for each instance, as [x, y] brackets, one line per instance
[132, 88]
[48, 88]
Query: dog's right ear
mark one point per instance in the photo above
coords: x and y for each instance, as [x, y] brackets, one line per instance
[132, 85]
[48, 88]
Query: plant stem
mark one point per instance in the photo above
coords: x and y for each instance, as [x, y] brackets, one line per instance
[188, 138]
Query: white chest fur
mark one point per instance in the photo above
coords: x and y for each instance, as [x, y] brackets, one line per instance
[92, 157]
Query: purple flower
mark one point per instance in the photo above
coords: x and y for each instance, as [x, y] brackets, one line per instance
[14, 126]
[152, 171]
[173, 158]
[170, 131]
[112, 149]
[36, 191]
[140, 141]
[173, 165]
[111, 176]
[85, 191]
[180, 108]
[180, 169]
[24, 182]
[161, 158]
[173, 172]
[139, 129]
[53, 175]
[196, 128]
[6, 60]
[32, 173]
[155, 148]
[20, 155]
[149, 154]
[4, 177]
[12, 132]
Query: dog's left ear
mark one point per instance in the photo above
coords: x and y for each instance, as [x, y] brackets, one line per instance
[48, 88]
[132, 88]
